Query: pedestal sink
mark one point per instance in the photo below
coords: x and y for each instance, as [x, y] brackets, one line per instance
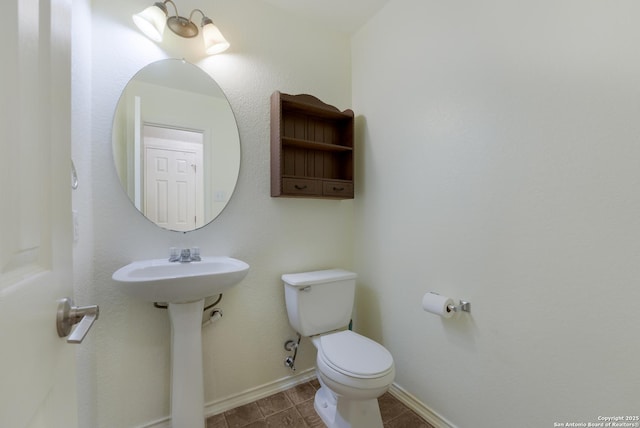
[184, 286]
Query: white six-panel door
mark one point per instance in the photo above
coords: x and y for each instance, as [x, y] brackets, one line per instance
[37, 368]
[173, 178]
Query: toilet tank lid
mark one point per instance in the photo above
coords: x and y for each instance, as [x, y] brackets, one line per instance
[317, 277]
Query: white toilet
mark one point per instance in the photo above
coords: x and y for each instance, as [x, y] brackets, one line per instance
[353, 370]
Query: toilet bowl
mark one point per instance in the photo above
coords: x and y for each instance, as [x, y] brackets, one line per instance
[353, 365]
[353, 370]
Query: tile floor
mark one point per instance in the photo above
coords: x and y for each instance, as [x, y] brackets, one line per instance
[294, 408]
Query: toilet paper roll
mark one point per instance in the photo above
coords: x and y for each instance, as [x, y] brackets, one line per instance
[437, 304]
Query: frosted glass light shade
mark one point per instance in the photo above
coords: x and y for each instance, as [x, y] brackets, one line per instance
[151, 22]
[214, 41]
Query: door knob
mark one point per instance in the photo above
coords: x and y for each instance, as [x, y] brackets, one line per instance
[69, 315]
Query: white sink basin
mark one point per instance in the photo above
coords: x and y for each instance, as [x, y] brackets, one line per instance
[173, 282]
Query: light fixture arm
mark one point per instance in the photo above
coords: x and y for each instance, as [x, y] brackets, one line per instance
[201, 13]
[174, 6]
[205, 19]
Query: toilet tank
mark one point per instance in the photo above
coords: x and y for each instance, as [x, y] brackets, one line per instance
[320, 301]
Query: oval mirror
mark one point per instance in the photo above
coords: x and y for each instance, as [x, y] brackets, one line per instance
[176, 146]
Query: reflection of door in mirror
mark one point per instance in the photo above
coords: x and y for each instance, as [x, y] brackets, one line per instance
[173, 180]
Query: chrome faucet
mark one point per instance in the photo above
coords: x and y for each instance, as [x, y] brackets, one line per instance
[185, 255]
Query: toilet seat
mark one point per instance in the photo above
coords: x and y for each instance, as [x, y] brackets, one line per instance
[354, 355]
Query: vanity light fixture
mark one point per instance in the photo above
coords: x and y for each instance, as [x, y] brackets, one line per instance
[153, 20]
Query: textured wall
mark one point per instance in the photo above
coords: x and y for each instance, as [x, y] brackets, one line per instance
[124, 365]
[499, 163]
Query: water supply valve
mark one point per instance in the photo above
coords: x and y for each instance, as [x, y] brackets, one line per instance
[290, 362]
[291, 345]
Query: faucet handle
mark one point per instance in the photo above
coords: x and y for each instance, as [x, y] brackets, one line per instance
[195, 254]
[174, 254]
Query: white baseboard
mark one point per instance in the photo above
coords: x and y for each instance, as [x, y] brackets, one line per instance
[248, 396]
[160, 423]
[253, 394]
[259, 392]
[419, 408]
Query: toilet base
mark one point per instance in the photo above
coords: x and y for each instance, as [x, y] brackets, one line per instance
[339, 412]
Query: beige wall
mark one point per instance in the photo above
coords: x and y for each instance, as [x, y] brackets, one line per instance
[498, 163]
[124, 365]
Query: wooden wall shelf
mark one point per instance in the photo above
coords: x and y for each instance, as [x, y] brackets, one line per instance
[311, 148]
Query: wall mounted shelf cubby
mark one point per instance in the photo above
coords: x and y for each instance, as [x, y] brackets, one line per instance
[311, 148]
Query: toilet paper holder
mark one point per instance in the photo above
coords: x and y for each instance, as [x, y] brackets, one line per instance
[464, 306]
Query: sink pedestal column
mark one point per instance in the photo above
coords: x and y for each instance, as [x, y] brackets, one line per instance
[187, 383]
